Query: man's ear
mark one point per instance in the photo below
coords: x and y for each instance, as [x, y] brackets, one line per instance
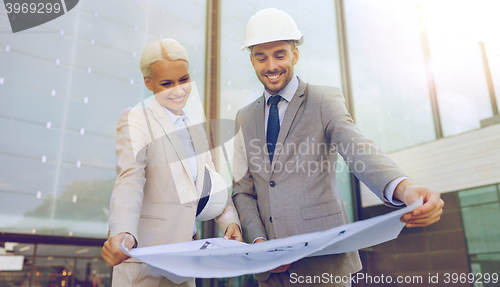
[251, 58]
[148, 84]
[295, 55]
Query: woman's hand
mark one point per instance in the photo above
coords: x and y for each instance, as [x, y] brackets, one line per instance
[233, 232]
[111, 251]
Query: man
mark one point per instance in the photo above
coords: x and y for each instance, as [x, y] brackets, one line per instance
[286, 151]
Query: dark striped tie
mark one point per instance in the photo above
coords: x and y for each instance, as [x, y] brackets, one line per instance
[273, 125]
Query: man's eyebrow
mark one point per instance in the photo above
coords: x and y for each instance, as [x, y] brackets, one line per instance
[280, 51]
[258, 54]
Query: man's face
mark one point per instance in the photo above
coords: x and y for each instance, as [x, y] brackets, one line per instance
[273, 63]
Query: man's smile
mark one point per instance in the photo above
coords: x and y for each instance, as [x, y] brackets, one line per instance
[274, 77]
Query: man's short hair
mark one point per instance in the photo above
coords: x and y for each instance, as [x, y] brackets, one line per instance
[291, 42]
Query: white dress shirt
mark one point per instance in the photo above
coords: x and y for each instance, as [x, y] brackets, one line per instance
[180, 124]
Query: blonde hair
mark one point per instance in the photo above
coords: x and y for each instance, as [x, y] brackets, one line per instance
[164, 49]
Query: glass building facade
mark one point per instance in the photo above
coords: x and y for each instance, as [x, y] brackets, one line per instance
[413, 71]
[64, 84]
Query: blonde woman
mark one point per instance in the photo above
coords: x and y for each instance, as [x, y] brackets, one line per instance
[161, 161]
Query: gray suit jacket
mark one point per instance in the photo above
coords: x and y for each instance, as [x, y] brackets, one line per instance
[297, 193]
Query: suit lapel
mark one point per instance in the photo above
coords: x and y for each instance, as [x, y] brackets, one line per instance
[162, 117]
[261, 132]
[200, 147]
[290, 114]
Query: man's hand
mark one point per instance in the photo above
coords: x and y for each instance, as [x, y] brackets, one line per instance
[427, 214]
[111, 251]
[278, 269]
[233, 232]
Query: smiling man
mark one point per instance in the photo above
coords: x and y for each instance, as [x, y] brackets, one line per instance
[281, 190]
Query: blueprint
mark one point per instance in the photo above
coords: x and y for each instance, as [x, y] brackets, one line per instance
[220, 258]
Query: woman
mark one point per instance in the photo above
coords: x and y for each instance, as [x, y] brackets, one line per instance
[161, 158]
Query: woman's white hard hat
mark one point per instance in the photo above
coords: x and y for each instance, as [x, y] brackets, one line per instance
[214, 196]
[269, 25]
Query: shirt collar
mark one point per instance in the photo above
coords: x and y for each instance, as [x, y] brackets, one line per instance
[174, 118]
[287, 92]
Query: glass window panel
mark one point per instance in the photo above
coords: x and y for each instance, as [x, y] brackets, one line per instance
[487, 257]
[111, 33]
[51, 271]
[457, 64]
[70, 175]
[32, 72]
[20, 248]
[482, 228]
[116, 11]
[26, 175]
[18, 278]
[98, 191]
[478, 195]
[390, 91]
[92, 273]
[90, 149]
[14, 210]
[23, 137]
[62, 217]
[50, 46]
[104, 90]
[44, 250]
[31, 104]
[93, 118]
[110, 61]
[4, 21]
[461, 85]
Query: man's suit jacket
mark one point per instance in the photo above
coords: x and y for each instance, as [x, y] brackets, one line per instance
[154, 197]
[297, 193]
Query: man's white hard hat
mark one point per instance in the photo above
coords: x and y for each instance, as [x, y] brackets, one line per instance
[269, 25]
[214, 196]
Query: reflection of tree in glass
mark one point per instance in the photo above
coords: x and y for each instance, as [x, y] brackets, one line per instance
[81, 201]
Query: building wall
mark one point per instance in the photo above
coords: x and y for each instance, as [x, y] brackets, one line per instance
[459, 162]
[437, 249]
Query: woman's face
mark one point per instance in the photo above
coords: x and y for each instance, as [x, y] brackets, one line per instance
[170, 83]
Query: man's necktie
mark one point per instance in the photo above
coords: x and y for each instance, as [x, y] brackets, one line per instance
[273, 125]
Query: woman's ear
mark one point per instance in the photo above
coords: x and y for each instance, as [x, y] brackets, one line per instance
[148, 84]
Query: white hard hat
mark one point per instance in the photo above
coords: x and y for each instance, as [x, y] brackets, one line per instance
[214, 196]
[269, 25]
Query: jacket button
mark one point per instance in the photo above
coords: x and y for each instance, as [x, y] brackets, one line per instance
[271, 219]
[272, 183]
